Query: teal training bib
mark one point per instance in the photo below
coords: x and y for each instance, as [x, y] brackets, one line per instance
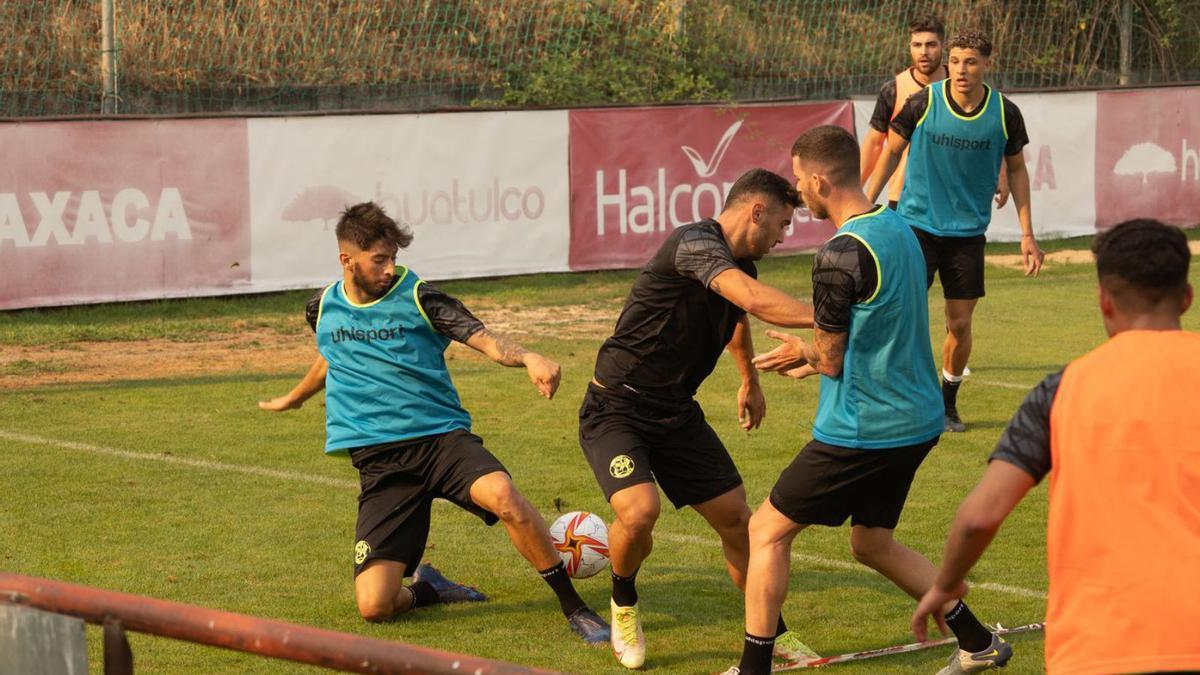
[387, 378]
[887, 394]
[953, 166]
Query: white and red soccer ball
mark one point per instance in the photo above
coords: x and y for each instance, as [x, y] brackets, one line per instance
[581, 539]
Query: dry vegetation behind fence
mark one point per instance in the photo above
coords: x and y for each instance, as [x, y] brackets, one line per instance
[244, 55]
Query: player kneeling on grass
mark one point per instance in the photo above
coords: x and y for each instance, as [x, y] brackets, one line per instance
[1118, 434]
[639, 422]
[879, 411]
[392, 407]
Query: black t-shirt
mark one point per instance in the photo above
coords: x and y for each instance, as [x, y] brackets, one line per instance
[881, 117]
[843, 275]
[905, 122]
[447, 314]
[1025, 443]
[885, 105]
[673, 328]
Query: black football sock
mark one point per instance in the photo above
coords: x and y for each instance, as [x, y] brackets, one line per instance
[950, 393]
[560, 583]
[781, 628]
[624, 589]
[423, 594]
[756, 655]
[972, 635]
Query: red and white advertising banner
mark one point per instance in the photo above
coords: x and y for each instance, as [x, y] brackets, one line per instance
[105, 211]
[1060, 160]
[1148, 156]
[484, 193]
[636, 174]
[863, 109]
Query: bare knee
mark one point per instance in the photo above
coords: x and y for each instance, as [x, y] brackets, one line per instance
[734, 526]
[959, 327]
[376, 608]
[869, 551]
[764, 531]
[511, 507]
[735, 521]
[640, 518]
[379, 590]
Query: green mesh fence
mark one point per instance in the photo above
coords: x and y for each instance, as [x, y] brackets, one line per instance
[182, 56]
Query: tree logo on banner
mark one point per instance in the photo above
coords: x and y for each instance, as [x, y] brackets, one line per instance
[1143, 159]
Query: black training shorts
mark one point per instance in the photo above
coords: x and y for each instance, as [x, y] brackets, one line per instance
[958, 261]
[826, 484]
[399, 483]
[632, 439]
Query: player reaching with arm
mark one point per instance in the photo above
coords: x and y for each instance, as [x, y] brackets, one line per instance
[1117, 433]
[391, 405]
[877, 417]
[960, 131]
[640, 424]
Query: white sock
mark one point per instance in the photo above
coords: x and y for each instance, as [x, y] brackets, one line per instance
[952, 378]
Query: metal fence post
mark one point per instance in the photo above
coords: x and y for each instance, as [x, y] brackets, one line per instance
[118, 657]
[1126, 33]
[108, 103]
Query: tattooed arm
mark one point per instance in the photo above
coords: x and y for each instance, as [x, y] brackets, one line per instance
[799, 359]
[451, 318]
[544, 373]
[826, 351]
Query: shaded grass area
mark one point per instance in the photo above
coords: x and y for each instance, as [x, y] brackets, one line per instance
[282, 548]
[196, 319]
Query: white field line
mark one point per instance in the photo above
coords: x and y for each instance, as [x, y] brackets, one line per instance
[350, 484]
[818, 561]
[1006, 385]
[182, 461]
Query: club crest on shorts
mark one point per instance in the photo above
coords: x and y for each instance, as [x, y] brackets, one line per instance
[361, 550]
[621, 466]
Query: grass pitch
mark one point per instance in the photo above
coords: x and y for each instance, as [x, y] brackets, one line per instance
[280, 546]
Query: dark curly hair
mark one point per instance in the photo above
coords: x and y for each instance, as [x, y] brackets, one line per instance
[971, 39]
[366, 224]
[1143, 262]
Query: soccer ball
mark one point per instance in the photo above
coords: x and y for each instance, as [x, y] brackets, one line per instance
[581, 539]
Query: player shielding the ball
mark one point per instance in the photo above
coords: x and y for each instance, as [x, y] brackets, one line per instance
[878, 414]
[640, 426]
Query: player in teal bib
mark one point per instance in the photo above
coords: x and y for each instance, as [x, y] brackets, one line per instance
[954, 165]
[886, 394]
[878, 414]
[961, 131]
[392, 407]
[387, 377]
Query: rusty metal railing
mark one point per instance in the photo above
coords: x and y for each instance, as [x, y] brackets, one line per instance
[119, 612]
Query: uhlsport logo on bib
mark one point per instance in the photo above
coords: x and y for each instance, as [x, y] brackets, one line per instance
[621, 466]
[361, 550]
